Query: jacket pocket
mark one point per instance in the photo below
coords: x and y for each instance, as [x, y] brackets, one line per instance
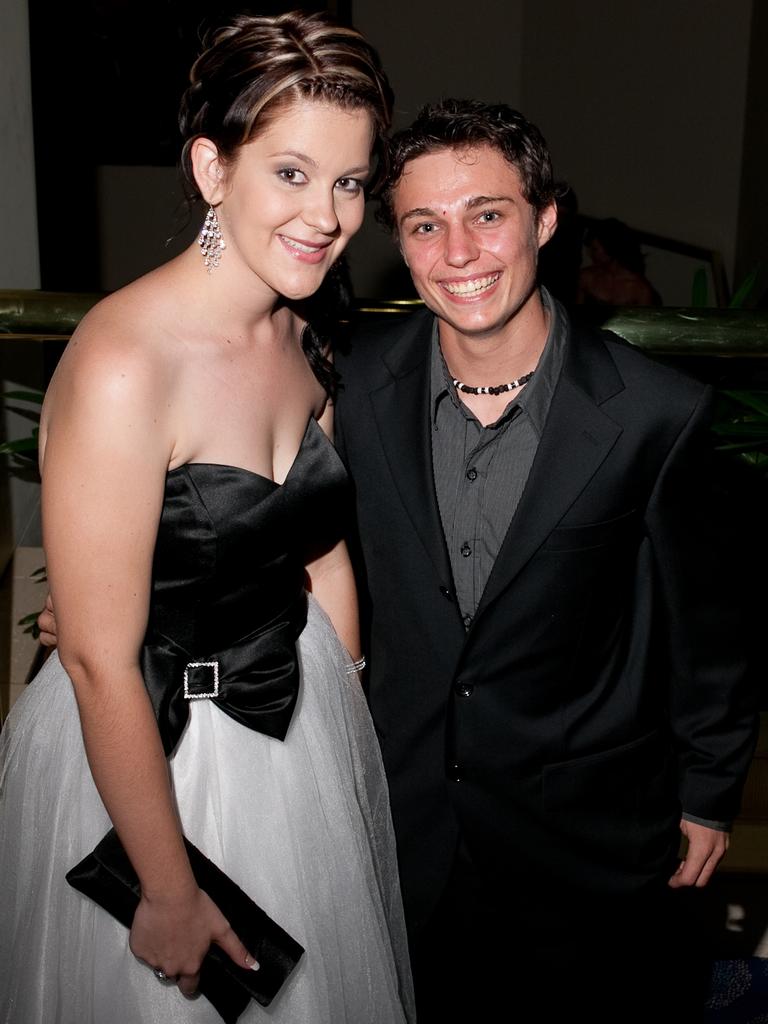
[618, 806]
[593, 535]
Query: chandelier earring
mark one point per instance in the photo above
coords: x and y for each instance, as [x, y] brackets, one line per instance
[210, 241]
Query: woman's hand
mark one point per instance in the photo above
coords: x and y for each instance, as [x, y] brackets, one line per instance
[173, 934]
[46, 622]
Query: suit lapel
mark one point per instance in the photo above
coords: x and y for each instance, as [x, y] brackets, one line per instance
[576, 439]
[402, 414]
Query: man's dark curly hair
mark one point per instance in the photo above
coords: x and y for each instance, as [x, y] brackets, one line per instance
[462, 124]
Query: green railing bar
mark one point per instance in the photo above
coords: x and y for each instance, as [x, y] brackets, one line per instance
[726, 333]
[48, 313]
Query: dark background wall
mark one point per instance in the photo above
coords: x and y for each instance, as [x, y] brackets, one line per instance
[654, 112]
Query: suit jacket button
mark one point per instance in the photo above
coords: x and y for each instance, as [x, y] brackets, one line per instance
[454, 772]
[446, 593]
[462, 688]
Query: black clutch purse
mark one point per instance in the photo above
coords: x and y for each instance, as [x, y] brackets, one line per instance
[108, 878]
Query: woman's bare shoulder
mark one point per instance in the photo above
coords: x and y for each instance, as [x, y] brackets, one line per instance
[120, 360]
[129, 330]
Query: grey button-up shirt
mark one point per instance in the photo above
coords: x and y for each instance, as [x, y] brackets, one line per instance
[480, 472]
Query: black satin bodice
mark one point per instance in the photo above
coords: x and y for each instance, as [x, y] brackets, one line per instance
[228, 585]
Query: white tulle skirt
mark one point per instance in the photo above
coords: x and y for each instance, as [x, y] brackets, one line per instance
[303, 826]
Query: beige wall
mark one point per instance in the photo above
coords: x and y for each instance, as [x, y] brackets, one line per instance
[19, 266]
[752, 241]
[143, 221]
[643, 105]
[429, 51]
[445, 49]
[20, 366]
[18, 261]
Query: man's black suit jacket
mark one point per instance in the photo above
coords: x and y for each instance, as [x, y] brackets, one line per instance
[602, 684]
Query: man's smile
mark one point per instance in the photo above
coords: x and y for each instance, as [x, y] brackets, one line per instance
[472, 285]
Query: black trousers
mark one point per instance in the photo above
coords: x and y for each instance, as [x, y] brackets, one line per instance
[528, 951]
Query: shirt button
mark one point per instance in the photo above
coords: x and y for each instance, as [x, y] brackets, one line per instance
[467, 621]
[472, 474]
[462, 688]
[466, 550]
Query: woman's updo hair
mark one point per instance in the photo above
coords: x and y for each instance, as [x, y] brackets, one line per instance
[253, 67]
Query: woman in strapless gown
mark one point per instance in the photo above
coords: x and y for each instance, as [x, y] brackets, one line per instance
[190, 496]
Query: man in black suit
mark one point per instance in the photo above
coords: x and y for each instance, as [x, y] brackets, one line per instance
[557, 671]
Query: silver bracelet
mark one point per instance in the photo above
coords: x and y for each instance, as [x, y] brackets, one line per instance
[356, 666]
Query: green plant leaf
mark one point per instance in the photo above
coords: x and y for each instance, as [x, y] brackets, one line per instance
[26, 396]
[753, 430]
[751, 399]
[29, 622]
[27, 414]
[741, 446]
[742, 293]
[26, 619]
[24, 444]
[700, 291]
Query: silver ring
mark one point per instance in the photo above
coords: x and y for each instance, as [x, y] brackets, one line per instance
[159, 974]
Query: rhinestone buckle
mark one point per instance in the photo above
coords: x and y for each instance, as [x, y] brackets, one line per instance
[190, 691]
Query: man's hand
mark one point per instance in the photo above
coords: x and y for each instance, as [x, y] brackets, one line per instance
[46, 620]
[706, 848]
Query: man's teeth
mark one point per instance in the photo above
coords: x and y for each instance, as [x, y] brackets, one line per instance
[301, 248]
[477, 284]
